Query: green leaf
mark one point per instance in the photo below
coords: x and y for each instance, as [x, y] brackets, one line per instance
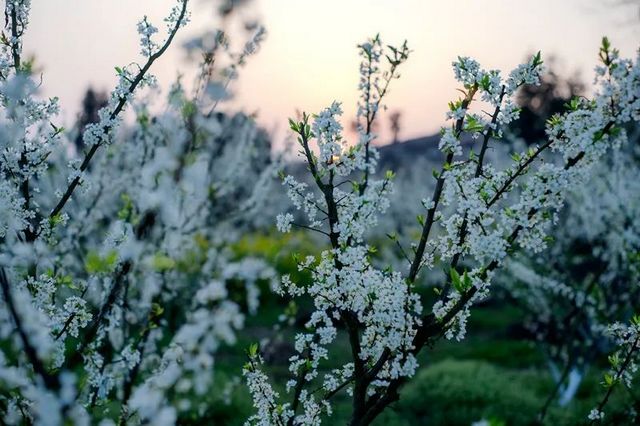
[485, 82]
[614, 360]
[156, 309]
[460, 283]
[294, 126]
[554, 121]
[453, 106]
[573, 104]
[472, 124]
[253, 350]
[606, 44]
[455, 280]
[55, 220]
[127, 209]
[466, 281]
[609, 380]
[162, 262]
[66, 281]
[94, 263]
[537, 59]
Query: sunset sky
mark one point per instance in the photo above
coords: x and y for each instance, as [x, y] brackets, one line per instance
[309, 57]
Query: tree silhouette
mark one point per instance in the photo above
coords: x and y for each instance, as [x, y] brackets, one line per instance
[539, 103]
[394, 118]
[91, 104]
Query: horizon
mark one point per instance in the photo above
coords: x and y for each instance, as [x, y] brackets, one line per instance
[298, 52]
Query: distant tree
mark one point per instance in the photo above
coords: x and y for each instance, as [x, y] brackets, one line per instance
[92, 102]
[539, 103]
[395, 125]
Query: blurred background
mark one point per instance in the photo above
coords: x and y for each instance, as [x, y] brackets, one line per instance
[309, 57]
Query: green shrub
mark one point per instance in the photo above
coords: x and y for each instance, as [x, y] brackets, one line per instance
[460, 392]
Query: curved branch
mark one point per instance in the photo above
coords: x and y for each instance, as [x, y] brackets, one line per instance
[119, 107]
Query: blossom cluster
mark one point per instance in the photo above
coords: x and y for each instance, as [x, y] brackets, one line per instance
[117, 278]
[587, 278]
[623, 363]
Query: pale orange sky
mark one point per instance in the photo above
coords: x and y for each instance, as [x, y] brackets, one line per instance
[309, 57]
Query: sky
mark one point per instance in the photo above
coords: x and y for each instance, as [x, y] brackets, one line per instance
[309, 57]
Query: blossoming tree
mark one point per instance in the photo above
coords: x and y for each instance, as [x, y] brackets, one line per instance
[116, 278]
[472, 223]
[587, 279]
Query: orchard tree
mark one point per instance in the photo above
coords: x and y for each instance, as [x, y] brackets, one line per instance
[587, 279]
[117, 279]
[477, 216]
